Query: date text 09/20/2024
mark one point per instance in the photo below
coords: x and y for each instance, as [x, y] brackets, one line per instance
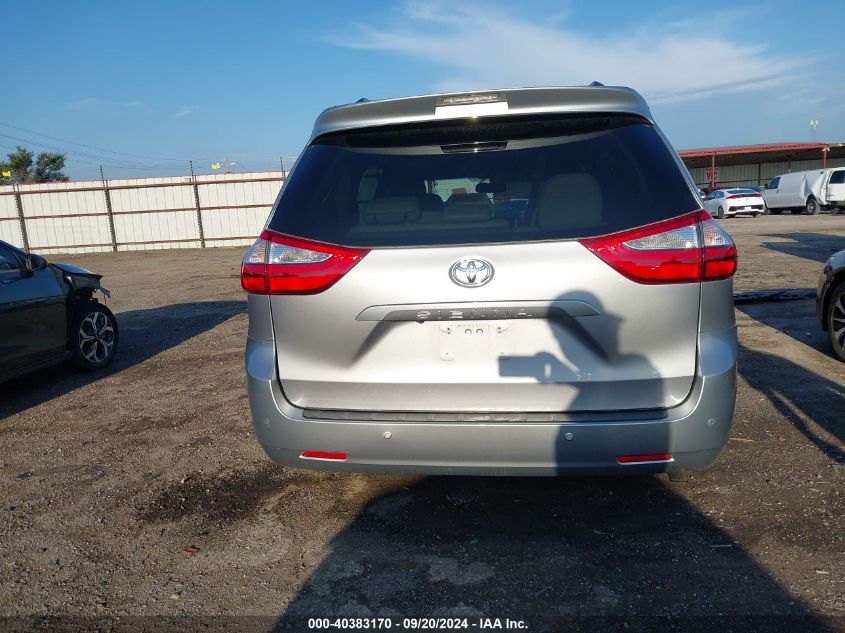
[418, 624]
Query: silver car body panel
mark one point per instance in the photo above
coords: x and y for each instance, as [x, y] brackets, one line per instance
[693, 432]
[515, 102]
[582, 366]
[331, 359]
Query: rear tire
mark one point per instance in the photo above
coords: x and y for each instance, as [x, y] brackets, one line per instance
[93, 336]
[835, 317]
[812, 207]
[720, 213]
[754, 215]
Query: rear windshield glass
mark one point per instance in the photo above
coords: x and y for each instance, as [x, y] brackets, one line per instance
[470, 183]
[740, 191]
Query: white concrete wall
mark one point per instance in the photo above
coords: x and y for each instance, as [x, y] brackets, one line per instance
[9, 225]
[149, 213]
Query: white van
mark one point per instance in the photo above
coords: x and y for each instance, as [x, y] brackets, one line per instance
[806, 191]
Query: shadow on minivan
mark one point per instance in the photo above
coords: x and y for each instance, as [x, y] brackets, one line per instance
[582, 356]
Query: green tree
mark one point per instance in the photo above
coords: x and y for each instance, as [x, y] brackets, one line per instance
[25, 167]
[48, 167]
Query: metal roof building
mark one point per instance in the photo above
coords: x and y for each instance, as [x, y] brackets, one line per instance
[723, 167]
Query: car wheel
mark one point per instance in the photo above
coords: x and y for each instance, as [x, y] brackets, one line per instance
[720, 213]
[835, 318]
[754, 215]
[775, 211]
[812, 207]
[93, 336]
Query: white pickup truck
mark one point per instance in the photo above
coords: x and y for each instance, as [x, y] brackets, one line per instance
[806, 191]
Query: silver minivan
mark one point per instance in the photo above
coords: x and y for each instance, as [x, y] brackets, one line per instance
[514, 282]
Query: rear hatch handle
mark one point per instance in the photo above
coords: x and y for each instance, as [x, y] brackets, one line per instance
[478, 311]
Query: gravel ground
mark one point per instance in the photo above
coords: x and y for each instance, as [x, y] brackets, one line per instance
[139, 496]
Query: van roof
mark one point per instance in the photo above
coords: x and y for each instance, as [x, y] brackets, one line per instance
[459, 105]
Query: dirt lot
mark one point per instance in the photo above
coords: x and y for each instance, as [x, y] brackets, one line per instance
[141, 491]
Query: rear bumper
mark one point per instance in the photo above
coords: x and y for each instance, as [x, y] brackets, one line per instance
[694, 433]
[740, 211]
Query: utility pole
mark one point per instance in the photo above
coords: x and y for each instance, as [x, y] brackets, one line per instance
[814, 125]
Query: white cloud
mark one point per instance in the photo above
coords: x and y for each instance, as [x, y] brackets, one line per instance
[97, 105]
[105, 106]
[184, 111]
[484, 47]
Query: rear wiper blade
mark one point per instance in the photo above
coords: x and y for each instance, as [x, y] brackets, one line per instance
[482, 146]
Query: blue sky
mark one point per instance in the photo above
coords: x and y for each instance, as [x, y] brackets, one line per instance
[148, 86]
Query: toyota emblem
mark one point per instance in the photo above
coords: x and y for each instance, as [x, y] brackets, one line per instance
[471, 272]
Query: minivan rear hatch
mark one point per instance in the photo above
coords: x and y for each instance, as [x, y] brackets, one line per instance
[469, 281]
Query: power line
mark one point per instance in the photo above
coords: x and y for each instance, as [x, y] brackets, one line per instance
[269, 161]
[96, 157]
[99, 149]
[114, 162]
[69, 160]
[79, 161]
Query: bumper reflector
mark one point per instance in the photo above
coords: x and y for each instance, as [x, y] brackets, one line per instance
[322, 455]
[639, 459]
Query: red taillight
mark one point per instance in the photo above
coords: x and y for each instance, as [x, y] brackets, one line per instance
[690, 248]
[718, 257]
[639, 459]
[323, 455]
[280, 264]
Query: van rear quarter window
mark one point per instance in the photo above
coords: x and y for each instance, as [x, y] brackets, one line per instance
[482, 182]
